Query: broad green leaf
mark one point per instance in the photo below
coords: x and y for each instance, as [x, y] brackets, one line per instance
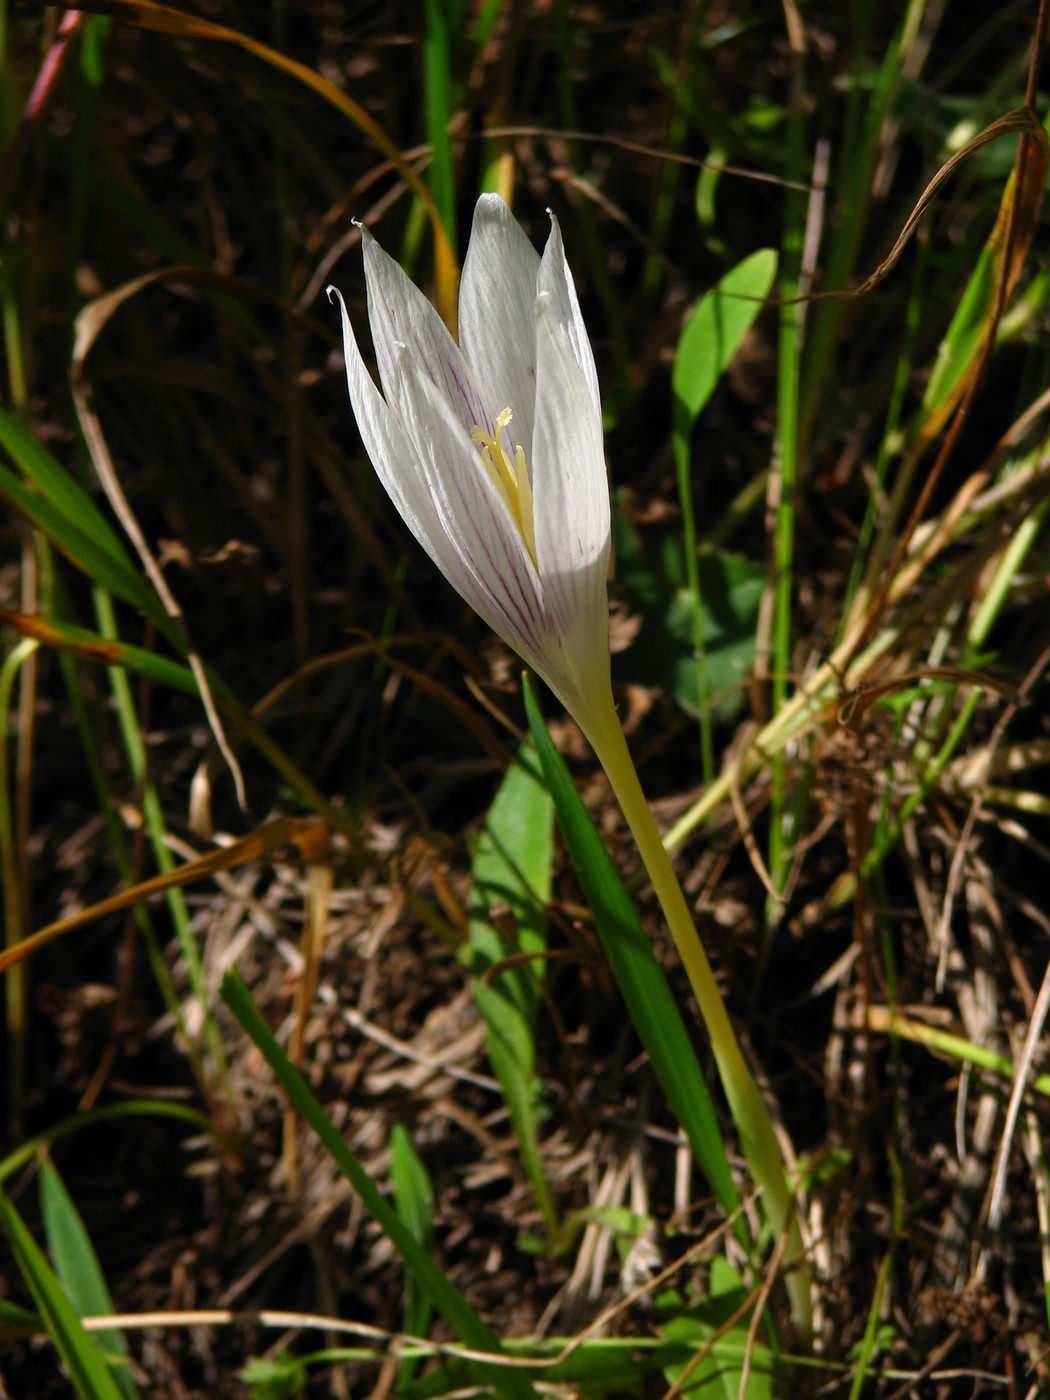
[707, 1327]
[281, 1377]
[604, 1366]
[457, 1312]
[610, 1366]
[712, 336]
[638, 975]
[91, 1377]
[705, 349]
[507, 916]
[79, 1271]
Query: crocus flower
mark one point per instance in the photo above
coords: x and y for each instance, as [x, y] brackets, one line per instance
[492, 452]
[491, 449]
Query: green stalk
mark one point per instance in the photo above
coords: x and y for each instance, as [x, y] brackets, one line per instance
[12, 902]
[867, 115]
[785, 468]
[757, 1136]
[1005, 578]
[692, 577]
[215, 1080]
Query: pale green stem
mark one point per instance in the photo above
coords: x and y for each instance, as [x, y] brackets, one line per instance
[757, 1137]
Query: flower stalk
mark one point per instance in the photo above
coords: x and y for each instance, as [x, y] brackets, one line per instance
[746, 1106]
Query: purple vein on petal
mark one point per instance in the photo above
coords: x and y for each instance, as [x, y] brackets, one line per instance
[474, 518]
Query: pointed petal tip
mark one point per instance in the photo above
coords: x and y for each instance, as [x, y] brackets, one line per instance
[492, 209]
[366, 239]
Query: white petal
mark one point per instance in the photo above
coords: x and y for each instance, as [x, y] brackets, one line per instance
[555, 282]
[492, 569]
[571, 496]
[395, 463]
[401, 318]
[496, 330]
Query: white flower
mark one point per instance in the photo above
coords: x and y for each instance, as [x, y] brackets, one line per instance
[492, 449]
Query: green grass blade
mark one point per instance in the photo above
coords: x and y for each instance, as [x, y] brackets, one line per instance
[962, 342]
[136, 750]
[79, 1272]
[82, 1357]
[105, 648]
[15, 993]
[638, 975]
[16, 1322]
[512, 872]
[414, 1202]
[63, 511]
[438, 101]
[24, 1153]
[86, 645]
[57, 486]
[84, 548]
[413, 1192]
[455, 1309]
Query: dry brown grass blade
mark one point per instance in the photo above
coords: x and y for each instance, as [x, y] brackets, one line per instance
[308, 834]
[1031, 172]
[40, 629]
[89, 324]
[1011, 242]
[39, 99]
[863, 695]
[164, 19]
[1017, 219]
[474, 722]
[1021, 121]
[320, 878]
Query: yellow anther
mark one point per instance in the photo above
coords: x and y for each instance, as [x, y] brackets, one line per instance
[511, 478]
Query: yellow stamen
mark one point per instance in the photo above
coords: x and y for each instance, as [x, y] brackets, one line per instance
[511, 478]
